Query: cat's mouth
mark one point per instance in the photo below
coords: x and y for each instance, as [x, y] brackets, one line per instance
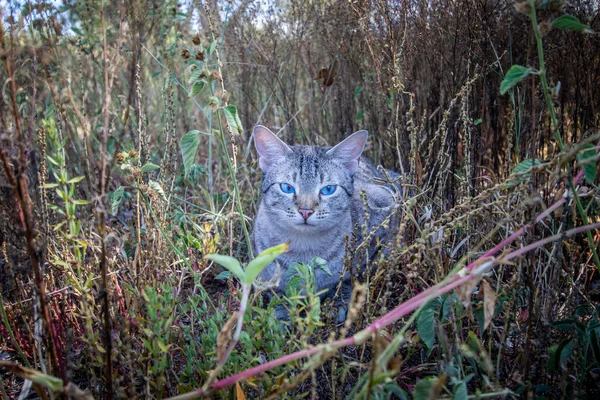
[305, 223]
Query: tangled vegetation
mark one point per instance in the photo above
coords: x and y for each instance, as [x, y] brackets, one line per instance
[128, 184]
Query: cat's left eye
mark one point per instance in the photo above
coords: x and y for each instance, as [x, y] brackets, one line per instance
[329, 189]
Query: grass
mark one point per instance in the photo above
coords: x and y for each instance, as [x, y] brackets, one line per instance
[127, 160]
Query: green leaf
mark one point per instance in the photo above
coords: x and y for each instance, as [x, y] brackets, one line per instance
[196, 88]
[194, 76]
[81, 202]
[76, 179]
[321, 264]
[515, 74]
[424, 388]
[460, 391]
[223, 276]
[117, 197]
[189, 146]
[570, 23]
[51, 382]
[149, 167]
[565, 351]
[477, 121]
[157, 188]
[523, 169]
[233, 119]
[595, 345]
[232, 264]
[292, 270]
[294, 286]
[212, 48]
[589, 168]
[49, 185]
[262, 260]
[394, 389]
[426, 323]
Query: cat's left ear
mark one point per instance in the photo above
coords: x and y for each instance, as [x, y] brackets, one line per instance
[349, 150]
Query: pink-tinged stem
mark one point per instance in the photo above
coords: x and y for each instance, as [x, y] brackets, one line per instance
[553, 238]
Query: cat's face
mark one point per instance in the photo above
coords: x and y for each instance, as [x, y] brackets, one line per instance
[307, 189]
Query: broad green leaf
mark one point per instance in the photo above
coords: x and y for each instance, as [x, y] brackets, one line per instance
[194, 76]
[394, 389]
[460, 391]
[294, 286]
[223, 276]
[424, 389]
[426, 323]
[570, 23]
[477, 121]
[157, 188]
[523, 169]
[595, 345]
[189, 146]
[232, 264]
[321, 264]
[292, 270]
[233, 119]
[515, 74]
[589, 168]
[117, 197]
[564, 351]
[196, 88]
[76, 179]
[149, 167]
[262, 260]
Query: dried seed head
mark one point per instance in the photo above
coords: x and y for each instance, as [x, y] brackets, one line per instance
[185, 54]
[222, 94]
[122, 157]
[213, 103]
[200, 55]
[196, 39]
[544, 27]
[133, 153]
[214, 75]
[144, 187]
[135, 171]
[523, 7]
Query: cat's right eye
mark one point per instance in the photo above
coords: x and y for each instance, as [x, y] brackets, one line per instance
[287, 188]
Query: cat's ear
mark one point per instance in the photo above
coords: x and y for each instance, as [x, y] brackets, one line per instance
[349, 150]
[269, 147]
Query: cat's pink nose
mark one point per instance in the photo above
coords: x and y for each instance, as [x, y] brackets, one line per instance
[305, 212]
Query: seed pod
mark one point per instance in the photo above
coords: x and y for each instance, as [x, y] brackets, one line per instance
[222, 94]
[185, 54]
[133, 153]
[523, 7]
[214, 75]
[200, 55]
[544, 27]
[196, 39]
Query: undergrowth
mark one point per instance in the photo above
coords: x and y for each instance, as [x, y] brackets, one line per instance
[129, 184]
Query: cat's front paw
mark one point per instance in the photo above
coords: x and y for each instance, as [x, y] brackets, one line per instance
[342, 314]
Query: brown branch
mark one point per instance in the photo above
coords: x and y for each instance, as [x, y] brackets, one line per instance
[22, 199]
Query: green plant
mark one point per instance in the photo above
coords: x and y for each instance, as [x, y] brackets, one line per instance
[580, 351]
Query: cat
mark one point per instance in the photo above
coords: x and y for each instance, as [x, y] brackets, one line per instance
[311, 198]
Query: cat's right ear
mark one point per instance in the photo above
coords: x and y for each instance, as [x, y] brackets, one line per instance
[269, 147]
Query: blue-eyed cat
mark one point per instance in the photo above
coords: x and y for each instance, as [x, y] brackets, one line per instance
[311, 198]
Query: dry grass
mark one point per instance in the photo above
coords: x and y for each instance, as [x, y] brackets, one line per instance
[103, 229]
